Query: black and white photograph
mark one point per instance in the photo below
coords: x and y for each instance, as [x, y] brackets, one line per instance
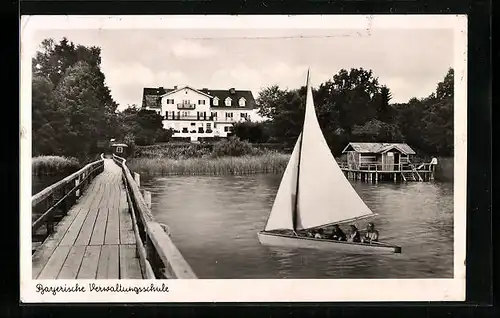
[243, 158]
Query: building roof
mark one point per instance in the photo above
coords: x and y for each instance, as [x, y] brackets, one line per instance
[378, 147]
[119, 145]
[151, 97]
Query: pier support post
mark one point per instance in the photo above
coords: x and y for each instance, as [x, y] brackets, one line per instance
[376, 177]
[395, 177]
[77, 192]
[147, 198]
[137, 178]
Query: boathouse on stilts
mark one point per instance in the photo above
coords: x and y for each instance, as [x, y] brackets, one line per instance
[374, 161]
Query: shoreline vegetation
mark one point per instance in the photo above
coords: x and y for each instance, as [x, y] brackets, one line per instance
[226, 157]
[266, 163]
[54, 165]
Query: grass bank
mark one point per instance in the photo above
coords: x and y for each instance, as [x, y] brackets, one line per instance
[271, 162]
[54, 165]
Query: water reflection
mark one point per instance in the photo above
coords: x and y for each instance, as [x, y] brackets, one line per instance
[215, 220]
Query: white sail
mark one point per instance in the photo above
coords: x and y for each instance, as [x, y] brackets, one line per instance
[325, 196]
[281, 214]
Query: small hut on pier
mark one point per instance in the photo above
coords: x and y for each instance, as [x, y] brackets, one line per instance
[379, 160]
[120, 149]
[388, 156]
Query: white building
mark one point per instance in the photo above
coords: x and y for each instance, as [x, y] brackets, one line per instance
[203, 113]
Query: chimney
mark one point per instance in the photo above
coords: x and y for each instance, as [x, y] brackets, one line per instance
[161, 90]
[175, 87]
[232, 91]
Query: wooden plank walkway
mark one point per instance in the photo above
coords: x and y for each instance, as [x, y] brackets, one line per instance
[95, 240]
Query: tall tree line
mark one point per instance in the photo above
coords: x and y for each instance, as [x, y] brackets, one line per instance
[354, 106]
[72, 107]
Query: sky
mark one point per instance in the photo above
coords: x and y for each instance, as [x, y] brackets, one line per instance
[409, 61]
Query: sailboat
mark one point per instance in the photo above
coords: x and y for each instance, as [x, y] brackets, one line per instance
[314, 193]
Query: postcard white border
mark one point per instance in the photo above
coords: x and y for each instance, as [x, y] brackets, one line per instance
[254, 290]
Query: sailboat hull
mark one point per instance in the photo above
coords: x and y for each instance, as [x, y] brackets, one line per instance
[274, 239]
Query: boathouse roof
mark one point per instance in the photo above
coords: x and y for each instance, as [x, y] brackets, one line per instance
[119, 145]
[378, 147]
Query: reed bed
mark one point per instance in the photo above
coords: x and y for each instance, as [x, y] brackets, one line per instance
[271, 162]
[54, 165]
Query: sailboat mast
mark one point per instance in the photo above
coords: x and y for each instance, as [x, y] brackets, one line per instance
[295, 206]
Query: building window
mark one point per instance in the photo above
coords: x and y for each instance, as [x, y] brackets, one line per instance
[119, 149]
[209, 126]
[243, 115]
[228, 101]
[193, 124]
[229, 115]
[170, 101]
[242, 102]
[216, 101]
[228, 128]
[184, 129]
[214, 114]
[201, 102]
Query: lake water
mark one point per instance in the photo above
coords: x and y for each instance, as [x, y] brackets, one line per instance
[214, 222]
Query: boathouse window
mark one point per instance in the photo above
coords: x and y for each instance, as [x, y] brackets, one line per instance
[214, 114]
[216, 101]
[228, 101]
[193, 124]
[209, 126]
[201, 102]
[119, 149]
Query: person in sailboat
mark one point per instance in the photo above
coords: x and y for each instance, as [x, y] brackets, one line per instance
[371, 234]
[354, 234]
[319, 234]
[338, 234]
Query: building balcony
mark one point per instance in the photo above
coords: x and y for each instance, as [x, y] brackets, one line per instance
[190, 118]
[230, 119]
[186, 106]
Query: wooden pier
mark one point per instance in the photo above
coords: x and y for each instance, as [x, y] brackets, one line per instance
[96, 224]
[396, 173]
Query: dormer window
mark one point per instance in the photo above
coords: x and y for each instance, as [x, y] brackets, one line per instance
[242, 102]
[228, 101]
[216, 101]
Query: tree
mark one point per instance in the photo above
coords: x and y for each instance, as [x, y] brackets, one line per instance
[146, 126]
[70, 99]
[377, 131]
[252, 132]
[77, 98]
[351, 94]
[382, 100]
[427, 123]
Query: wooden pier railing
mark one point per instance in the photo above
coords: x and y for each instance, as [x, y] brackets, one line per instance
[53, 203]
[394, 167]
[158, 255]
